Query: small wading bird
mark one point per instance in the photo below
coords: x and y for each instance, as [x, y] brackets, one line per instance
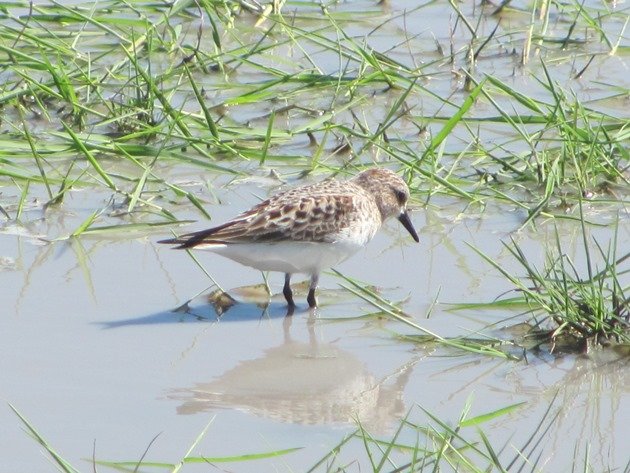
[309, 228]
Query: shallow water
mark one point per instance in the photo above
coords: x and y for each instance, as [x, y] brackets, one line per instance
[95, 356]
[92, 351]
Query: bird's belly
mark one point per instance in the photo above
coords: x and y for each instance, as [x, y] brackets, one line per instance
[287, 257]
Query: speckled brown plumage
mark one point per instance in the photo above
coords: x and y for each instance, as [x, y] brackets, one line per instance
[325, 222]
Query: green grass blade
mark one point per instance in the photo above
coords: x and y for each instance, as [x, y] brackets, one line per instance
[61, 463]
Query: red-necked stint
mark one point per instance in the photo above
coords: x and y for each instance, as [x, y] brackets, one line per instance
[310, 228]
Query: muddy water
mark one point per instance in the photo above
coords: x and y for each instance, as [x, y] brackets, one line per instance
[95, 356]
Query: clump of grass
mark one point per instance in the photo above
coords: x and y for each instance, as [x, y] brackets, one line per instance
[574, 150]
[437, 445]
[575, 308]
[433, 445]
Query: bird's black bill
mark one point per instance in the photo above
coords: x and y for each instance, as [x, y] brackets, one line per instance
[406, 222]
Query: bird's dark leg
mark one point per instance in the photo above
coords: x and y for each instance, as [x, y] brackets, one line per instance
[286, 290]
[312, 302]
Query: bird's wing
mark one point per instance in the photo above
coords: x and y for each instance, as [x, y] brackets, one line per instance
[312, 213]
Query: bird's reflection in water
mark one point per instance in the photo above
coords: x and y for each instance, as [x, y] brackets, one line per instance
[305, 383]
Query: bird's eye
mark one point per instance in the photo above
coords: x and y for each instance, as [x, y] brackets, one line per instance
[401, 196]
